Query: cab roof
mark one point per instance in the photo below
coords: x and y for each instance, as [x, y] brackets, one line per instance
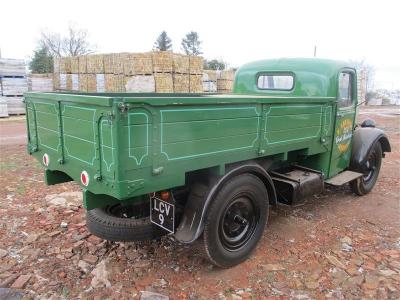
[313, 77]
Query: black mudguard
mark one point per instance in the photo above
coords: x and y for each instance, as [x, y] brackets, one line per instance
[363, 140]
[192, 224]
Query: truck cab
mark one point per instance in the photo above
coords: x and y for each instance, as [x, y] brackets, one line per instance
[208, 166]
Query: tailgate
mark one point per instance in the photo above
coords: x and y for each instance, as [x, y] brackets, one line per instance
[73, 138]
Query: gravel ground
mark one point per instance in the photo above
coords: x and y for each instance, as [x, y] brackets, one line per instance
[333, 246]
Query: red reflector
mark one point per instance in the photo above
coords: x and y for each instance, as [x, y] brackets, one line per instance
[85, 178]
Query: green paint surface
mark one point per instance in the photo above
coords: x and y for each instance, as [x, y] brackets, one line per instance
[179, 133]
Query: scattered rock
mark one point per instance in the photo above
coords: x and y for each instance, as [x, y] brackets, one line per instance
[64, 224]
[84, 266]
[387, 272]
[3, 253]
[346, 240]
[145, 295]
[10, 294]
[346, 247]
[101, 274]
[6, 282]
[371, 282]
[54, 233]
[334, 261]
[355, 281]
[274, 267]
[91, 259]
[311, 285]
[58, 201]
[21, 282]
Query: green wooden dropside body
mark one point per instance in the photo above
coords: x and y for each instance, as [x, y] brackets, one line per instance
[131, 144]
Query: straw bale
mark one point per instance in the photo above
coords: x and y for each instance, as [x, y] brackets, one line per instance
[91, 83]
[162, 61]
[118, 63]
[56, 81]
[75, 65]
[164, 83]
[180, 63]
[56, 65]
[196, 83]
[65, 65]
[140, 84]
[82, 64]
[114, 63]
[224, 84]
[181, 83]
[209, 75]
[83, 82]
[108, 61]
[227, 75]
[95, 64]
[195, 65]
[114, 83]
[138, 64]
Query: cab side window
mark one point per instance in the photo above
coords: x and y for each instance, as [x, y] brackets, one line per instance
[345, 89]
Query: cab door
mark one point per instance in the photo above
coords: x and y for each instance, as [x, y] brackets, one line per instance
[344, 123]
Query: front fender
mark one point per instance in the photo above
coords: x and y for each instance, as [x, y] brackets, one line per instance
[192, 223]
[363, 140]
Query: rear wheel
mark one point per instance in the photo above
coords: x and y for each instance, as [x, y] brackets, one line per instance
[366, 183]
[121, 223]
[236, 220]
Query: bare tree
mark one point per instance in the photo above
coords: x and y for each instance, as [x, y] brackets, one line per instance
[369, 70]
[74, 44]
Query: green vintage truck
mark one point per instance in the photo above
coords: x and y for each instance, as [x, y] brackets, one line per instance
[208, 166]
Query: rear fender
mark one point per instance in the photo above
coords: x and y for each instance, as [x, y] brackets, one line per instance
[363, 140]
[192, 223]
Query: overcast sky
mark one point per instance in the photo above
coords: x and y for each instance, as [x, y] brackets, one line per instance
[236, 31]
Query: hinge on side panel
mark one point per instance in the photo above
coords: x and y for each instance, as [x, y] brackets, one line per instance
[123, 107]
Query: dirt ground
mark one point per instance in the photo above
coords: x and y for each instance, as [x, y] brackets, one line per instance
[334, 246]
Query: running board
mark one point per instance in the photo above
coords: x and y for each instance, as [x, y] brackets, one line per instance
[343, 178]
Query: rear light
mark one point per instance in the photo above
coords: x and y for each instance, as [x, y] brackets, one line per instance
[164, 195]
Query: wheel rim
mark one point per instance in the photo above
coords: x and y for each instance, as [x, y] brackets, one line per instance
[238, 223]
[127, 211]
[371, 167]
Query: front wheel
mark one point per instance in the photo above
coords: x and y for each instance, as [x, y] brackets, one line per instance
[366, 183]
[236, 220]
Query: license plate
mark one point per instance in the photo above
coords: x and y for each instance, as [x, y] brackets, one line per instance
[162, 214]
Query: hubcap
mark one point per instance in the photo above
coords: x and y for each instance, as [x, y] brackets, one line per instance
[371, 167]
[238, 223]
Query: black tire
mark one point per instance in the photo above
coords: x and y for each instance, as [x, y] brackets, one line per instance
[235, 220]
[366, 183]
[110, 224]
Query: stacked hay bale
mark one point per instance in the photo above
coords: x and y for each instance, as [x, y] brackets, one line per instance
[162, 68]
[161, 72]
[196, 74]
[180, 68]
[13, 84]
[40, 82]
[138, 70]
[225, 80]
[114, 78]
